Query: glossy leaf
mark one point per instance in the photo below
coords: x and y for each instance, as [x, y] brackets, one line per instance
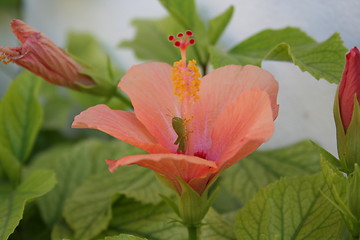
[292, 208]
[12, 205]
[21, 115]
[322, 60]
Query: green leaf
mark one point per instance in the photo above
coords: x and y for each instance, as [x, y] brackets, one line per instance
[7, 4]
[338, 184]
[31, 225]
[153, 34]
[292, 208]
[242, 180]
[322, 60]
[95, 196]
[327, 155]
[183, 11]
[61, 231]
[217, 227]
[87, 51]
[57, 106]
[10, 166]
[124, 237]
[154, 222]
[21, 115]
[73, 165]
[217, 25]
[12, 205]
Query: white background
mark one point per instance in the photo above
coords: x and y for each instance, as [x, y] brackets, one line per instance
[305, 103]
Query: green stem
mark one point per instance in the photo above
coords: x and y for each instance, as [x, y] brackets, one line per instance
[194, 232]
[123, 99]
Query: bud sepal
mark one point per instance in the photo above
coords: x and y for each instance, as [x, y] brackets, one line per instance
[352, 138]
[354, 200]
[348, 141]
[190, 206]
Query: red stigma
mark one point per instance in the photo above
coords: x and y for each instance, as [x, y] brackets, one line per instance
[183, 40]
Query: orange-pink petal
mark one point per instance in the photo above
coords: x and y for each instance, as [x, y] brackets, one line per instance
[150, 89]
[242, 127]
[187, 168]
[119, 124]
[221, 87]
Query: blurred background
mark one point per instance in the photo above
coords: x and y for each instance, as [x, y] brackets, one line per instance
[305, 103]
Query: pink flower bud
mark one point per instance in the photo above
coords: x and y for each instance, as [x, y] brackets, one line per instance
[349, 86]
[43, 57]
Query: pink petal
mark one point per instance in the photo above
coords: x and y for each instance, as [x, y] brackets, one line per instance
[150, 89]
[242, 127]
[42, 57]
[21, 30]
[120, 124]
[221, 87]
[187, 168]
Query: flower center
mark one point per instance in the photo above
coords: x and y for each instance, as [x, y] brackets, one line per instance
[185, 77]
[186, 82]
[200, 155]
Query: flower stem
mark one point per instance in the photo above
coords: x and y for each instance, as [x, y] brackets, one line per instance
[123, 99]
[194, 232]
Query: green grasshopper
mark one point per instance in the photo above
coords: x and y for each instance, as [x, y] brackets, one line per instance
[178, 125]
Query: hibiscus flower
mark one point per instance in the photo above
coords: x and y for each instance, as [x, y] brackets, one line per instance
[193, 127]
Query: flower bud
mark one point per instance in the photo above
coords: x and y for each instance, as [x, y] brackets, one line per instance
[349, 86]
[347, 113]
[43, 57]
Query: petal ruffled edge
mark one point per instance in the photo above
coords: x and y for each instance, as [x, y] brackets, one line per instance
[195, 171]
[119, 124]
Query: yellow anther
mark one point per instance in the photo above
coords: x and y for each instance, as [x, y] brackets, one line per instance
[186, 80]
[5, 59]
